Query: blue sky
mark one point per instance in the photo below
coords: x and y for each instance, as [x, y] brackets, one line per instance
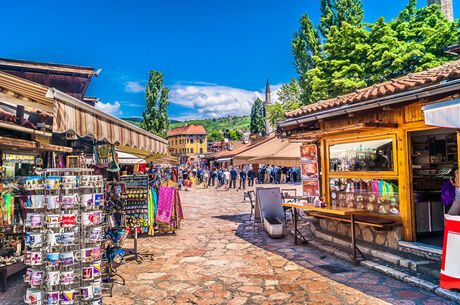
[215, 55]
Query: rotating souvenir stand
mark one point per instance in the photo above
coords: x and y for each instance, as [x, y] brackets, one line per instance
[64, 237]
[135, 201]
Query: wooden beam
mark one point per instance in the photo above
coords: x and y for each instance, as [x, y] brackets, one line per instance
[20, 144]
[25, 129]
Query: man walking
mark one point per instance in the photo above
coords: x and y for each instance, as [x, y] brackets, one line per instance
[212, 178]
[243, 179]
[251, 176]
[233, 176]
[226, 178]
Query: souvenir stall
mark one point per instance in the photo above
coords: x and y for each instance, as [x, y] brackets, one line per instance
[376, 154]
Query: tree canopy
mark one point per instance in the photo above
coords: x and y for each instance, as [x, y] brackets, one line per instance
[257, 125]
[155, 116]
[343, 53]
[288, 99]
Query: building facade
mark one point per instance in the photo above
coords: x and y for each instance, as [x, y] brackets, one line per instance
[190, 140]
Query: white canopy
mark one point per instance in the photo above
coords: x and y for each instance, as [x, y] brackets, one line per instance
[444, 114]
[125, 158]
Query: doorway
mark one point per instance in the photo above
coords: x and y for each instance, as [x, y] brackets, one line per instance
[434, 159]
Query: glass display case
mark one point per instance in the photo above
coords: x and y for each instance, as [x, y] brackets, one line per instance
[375, 155]
[374, 195]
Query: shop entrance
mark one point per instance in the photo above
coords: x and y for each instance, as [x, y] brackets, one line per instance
[434, 160]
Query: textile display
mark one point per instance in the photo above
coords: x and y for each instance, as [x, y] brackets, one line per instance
[105, 157]
[165, 204]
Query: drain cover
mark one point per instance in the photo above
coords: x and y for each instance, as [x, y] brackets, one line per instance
[334, 268]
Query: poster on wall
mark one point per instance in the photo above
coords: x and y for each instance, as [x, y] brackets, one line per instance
[309, 171]
[311, 188]
[308, 153]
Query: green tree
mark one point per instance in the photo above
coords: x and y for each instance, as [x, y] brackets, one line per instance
[355, 55]
[288, 99]
[257, 125]
[305, 45]
[215, 136]
[155, 116]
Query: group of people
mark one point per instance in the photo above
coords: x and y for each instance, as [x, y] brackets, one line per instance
[234, 177]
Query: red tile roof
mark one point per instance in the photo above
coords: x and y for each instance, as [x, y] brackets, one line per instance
[189, 129]
[406, 83]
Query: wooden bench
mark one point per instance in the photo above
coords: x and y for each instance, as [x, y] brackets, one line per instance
[7, 271]
[368, 220]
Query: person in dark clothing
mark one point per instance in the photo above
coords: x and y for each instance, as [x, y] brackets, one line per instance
[200, 176]
[243, 177]
[277, 175]
[251, 176]
[261, 175]
[212, 177]
[233, 176]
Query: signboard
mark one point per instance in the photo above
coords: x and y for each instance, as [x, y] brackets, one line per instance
[309, 170]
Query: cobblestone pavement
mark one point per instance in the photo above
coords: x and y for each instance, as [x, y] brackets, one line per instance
[217, 257]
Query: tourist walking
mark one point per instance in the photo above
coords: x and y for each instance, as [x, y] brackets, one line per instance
[243, 177]
[251, 176]
[233, 176]
[226, 177]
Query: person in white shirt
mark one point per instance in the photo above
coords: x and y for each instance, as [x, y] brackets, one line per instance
[226, 178]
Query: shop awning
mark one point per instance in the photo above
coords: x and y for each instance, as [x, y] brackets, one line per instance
[273, 151]
[73, 115]
[444, 114]
[125, 158]
[224, 160]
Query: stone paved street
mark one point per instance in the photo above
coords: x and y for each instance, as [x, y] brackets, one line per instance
[218, 258]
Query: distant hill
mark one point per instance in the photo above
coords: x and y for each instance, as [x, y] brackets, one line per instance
[220, 124]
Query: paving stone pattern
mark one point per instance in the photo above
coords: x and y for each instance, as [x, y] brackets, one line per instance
[217, 257]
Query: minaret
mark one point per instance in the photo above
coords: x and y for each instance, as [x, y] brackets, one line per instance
[446, 7]
[268, 128]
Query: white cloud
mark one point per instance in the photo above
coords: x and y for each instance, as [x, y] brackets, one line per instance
[113, 109]
[134, 87]
[213, 101]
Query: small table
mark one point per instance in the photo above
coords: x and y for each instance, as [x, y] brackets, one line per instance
[9, 270]
[331, 210]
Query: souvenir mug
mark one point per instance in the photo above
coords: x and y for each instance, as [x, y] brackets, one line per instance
[85, 181]
[69, 182]
[36, 201]
[52, 278]
[97, 217]
[67, 277]
[52, 297]
[53, 220]
[34, 240]
[69, 201]
[28, 274]
[34, 258]
[97, 287]
[68, 258]
[68, 297]
[69, 219]
[97, 269]
[87, 218]
[34, 183]
[53, 258]
[99, 199]
[86, 292]
[96, 253]
[52, 202]
[96, 233]
[34, 220]
[87, 273]
[77, 231]
[86, 255]
[54, 239]
[86, 200]
[67, 238]
[36, 277]
[53, 183]
[34, 296]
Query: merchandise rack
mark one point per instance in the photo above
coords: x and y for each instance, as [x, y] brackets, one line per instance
[73, 238]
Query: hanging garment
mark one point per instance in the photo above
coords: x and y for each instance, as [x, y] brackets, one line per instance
[165, 204]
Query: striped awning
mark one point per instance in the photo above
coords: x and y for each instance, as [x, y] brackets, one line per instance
[72, 115]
